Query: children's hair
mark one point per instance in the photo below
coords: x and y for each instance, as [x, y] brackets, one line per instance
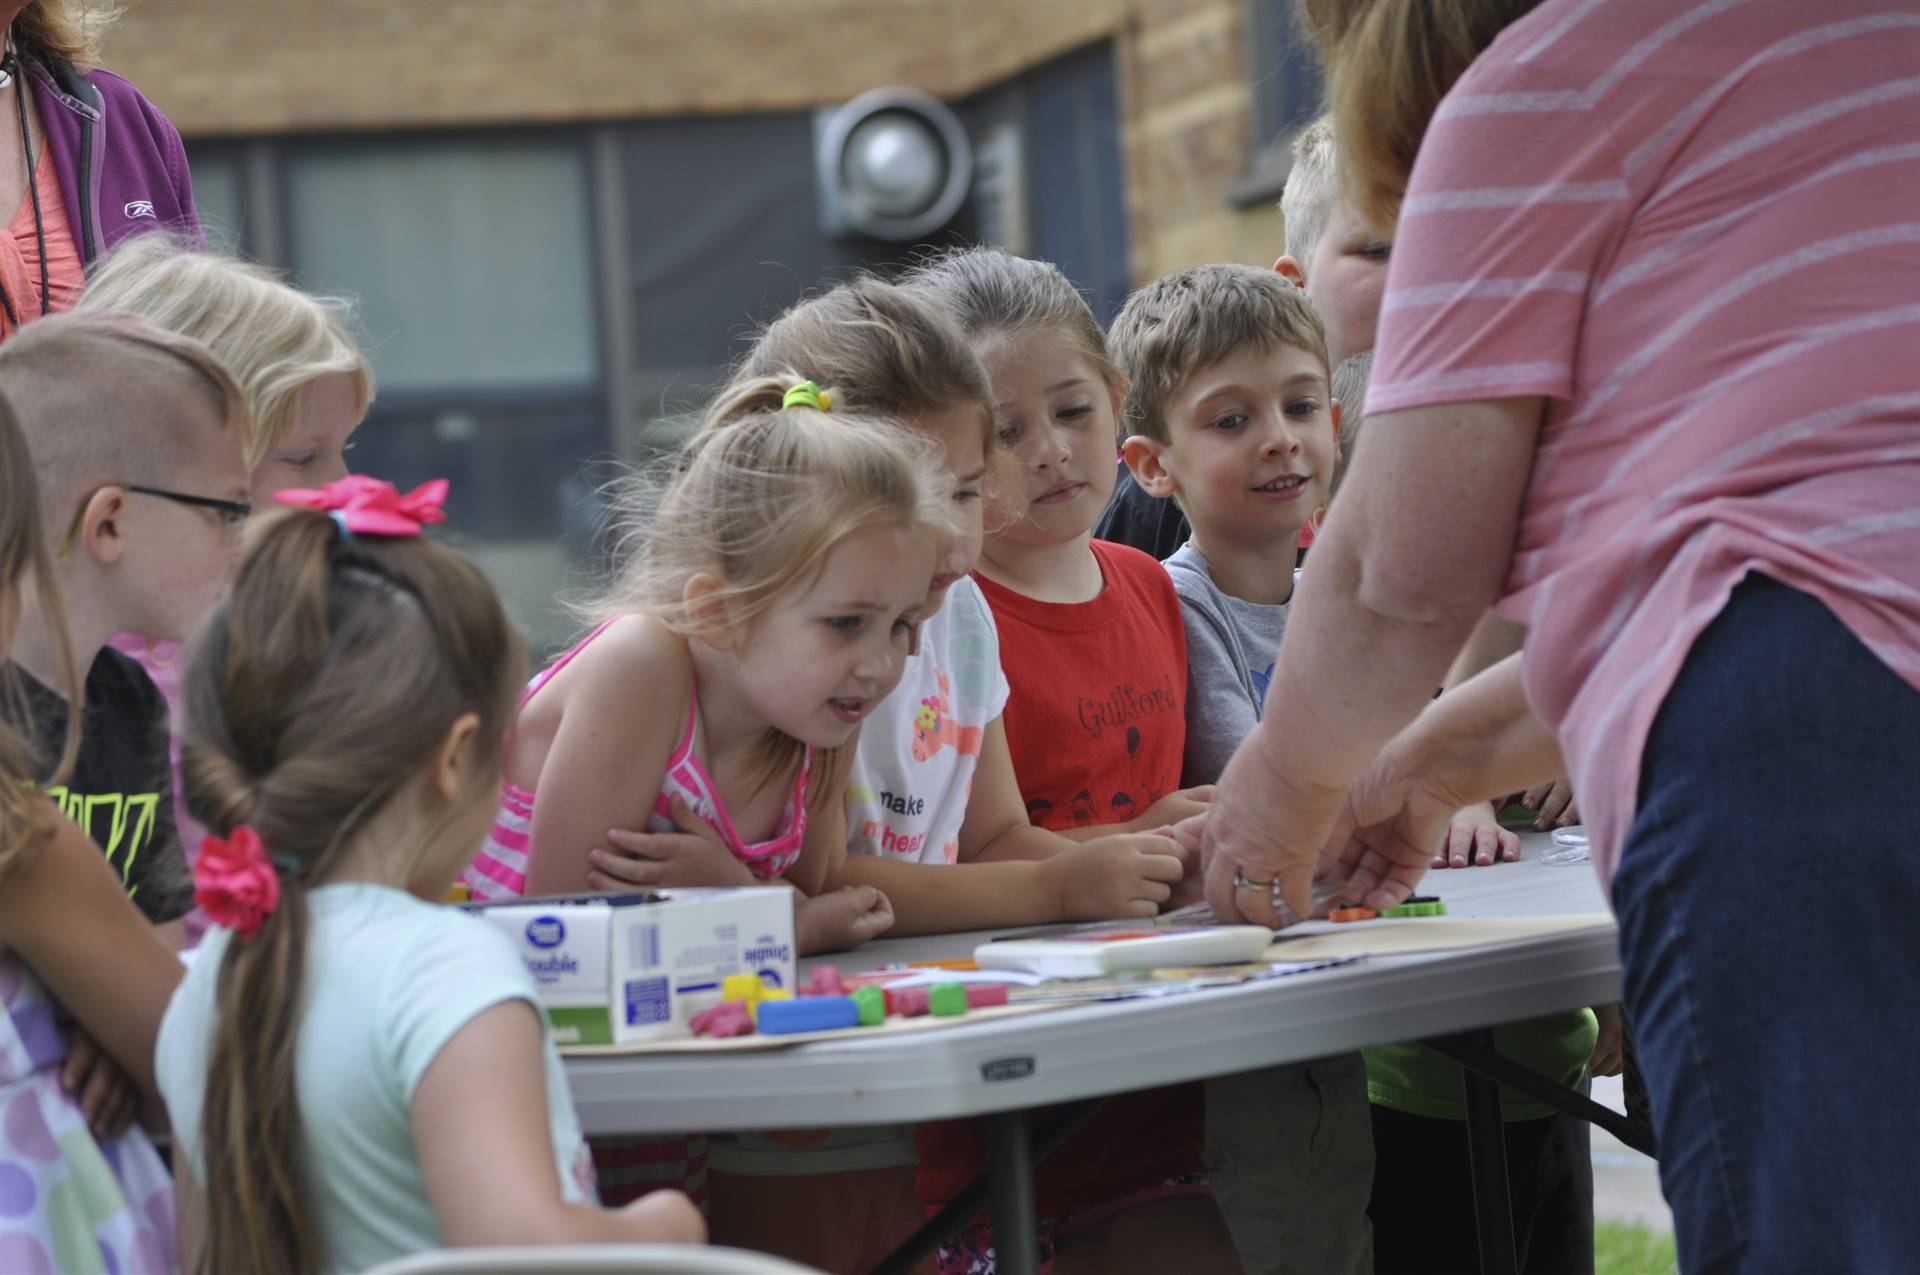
[1388, 63]
[883, 350]
[322, 685]
[84, 387]
[273, 338]
[762, 493]
[1192, 319]
[996, 294]
[1312, 185]
[889, 352]
[70, 30]
[1350, 387]
[26, 818]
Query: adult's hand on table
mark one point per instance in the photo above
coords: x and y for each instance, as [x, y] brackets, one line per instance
[1264, 828]
[1393, 824]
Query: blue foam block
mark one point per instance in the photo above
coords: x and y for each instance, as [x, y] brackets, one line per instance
[808, 1014]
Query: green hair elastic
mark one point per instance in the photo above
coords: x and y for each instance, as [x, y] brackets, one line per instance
[807, 394]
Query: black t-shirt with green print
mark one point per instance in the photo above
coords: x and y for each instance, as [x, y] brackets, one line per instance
[121, 789]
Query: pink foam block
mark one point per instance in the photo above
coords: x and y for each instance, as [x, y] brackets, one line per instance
[730, 1018]
[980, 995]
[907, 1002]
[825, 982]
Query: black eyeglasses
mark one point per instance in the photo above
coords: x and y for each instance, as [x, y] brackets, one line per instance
[232, 512]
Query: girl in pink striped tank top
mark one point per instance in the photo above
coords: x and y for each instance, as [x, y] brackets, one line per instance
[500, 869]
[768, 603]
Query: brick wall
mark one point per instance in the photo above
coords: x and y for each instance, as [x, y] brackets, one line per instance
[253, 67]
[1188, 108]
[324, 64]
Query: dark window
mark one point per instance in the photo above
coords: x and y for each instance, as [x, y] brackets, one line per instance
[472, 260]
[1284, 69]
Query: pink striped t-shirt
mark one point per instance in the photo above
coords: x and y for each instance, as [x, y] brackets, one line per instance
[1695, 229]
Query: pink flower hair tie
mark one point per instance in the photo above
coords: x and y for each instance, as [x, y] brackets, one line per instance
[366, 506]
[234, 882]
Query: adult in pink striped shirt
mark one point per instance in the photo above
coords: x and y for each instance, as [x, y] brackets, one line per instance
[1647, 383]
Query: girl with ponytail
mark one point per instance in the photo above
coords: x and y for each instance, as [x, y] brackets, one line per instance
[346, 706]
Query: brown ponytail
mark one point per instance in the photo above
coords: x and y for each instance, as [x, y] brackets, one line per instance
[1388, 64]
[320, 687]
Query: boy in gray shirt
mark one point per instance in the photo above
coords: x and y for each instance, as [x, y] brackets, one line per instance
[1231, 643]
[1233, 415]
[1234, 418]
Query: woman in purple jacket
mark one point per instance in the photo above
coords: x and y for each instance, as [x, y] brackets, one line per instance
[85, 161]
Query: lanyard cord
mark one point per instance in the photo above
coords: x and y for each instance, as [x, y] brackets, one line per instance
[11, 65]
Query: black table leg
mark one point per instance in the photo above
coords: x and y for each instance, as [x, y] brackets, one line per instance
[985, 1190]
[1016, 1229]
[1487, 1154]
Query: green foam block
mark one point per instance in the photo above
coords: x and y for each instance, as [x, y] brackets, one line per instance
[947, 1000]
[872, 1003]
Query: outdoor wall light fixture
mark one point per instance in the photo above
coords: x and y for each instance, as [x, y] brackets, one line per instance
[893, 164]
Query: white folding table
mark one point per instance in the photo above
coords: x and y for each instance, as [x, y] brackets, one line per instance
[1000, 1068]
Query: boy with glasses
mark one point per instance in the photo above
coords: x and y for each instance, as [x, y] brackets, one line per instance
[136, 437]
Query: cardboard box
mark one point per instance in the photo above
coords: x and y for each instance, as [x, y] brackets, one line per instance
[615, 968]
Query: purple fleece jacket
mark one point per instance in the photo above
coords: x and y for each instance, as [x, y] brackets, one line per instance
[121, 165]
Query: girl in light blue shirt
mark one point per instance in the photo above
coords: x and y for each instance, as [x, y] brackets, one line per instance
[353, 1073]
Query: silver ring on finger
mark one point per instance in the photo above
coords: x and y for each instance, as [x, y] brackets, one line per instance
[1283, 914]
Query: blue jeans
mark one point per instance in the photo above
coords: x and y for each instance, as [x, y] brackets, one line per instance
[1769, 904]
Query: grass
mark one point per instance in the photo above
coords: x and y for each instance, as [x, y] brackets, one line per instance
[1620, 1248]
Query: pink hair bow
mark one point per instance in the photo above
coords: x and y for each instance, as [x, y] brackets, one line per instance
[366, 506]
[234, 881]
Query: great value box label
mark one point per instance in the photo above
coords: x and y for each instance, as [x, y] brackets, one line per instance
[615, 968]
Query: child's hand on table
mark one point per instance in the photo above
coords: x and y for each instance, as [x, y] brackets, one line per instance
[1555, 803]
[1124, 875]
[1175, 807]
[694, 855]
[106, 1095]
[839, 920]
[1474, 836]
[1188, 833]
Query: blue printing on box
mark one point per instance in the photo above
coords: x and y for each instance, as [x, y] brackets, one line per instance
[648, 1001]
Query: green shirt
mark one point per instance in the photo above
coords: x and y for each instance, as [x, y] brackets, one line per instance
[1415, 1079]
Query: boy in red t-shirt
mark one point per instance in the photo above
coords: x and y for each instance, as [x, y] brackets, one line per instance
[1095, 656]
